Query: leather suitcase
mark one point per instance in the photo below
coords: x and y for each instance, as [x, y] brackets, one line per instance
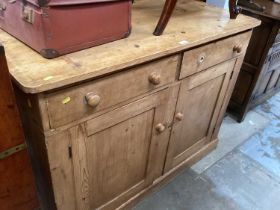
[57, 27]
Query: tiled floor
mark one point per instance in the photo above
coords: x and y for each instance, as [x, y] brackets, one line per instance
[243, 173]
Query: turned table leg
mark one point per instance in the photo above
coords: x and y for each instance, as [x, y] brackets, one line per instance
[234, 10]
[165, 16]
[169, 6]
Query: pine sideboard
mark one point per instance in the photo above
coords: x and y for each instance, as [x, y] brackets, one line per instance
[106, 125]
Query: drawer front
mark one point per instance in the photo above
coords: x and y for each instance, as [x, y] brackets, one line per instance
[81, 101]
[209, 55]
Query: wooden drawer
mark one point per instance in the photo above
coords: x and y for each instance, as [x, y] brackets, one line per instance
[81, 101]
[209, 55]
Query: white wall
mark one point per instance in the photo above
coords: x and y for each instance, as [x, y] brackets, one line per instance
[218, 3]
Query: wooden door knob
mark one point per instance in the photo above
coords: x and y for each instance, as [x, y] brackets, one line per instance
[154, 78]
[160, 128]
[92, 99]
[237, 49]
[179, 116]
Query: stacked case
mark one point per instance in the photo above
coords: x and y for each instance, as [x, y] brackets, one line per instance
[57, 27]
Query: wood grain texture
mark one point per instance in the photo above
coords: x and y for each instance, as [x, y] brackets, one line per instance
[35, 74]
[271, 9]
[200, 100]
[112, 90]
[118, 154]
[228, 95]
[259, 63]
[168, 8]
[17, 185]
[61, 169]
[167, 177]
[9, 114]
[106, 159]
[78, 140]
[206, 56]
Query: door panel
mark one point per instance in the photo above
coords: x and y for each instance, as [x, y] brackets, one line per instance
[200, 101]
[121, 159]
[118, 154]
[203, 97]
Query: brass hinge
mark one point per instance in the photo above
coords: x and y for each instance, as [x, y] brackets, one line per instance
[12, 151]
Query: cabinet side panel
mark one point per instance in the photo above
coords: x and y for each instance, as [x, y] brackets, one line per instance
[229, 92]
[258, 43]
[37, 149]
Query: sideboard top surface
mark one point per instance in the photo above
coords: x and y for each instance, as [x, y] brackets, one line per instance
[193, 23]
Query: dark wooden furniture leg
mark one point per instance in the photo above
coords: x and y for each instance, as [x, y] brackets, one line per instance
[165, 16]
[17, 185]
[234, 10]
[169, 6]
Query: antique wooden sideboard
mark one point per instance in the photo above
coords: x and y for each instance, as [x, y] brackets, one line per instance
[107, 124]
[259, 78]
[17, 184]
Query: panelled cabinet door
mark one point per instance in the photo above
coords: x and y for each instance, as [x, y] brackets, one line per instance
[118, 154]
[199, 103]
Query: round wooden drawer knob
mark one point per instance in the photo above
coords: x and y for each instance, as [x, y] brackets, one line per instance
[160, 128]
[179, 116]
[92, 99]
[237, 49]
[154, 78]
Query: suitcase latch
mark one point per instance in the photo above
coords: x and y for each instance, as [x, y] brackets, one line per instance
[28, 14]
